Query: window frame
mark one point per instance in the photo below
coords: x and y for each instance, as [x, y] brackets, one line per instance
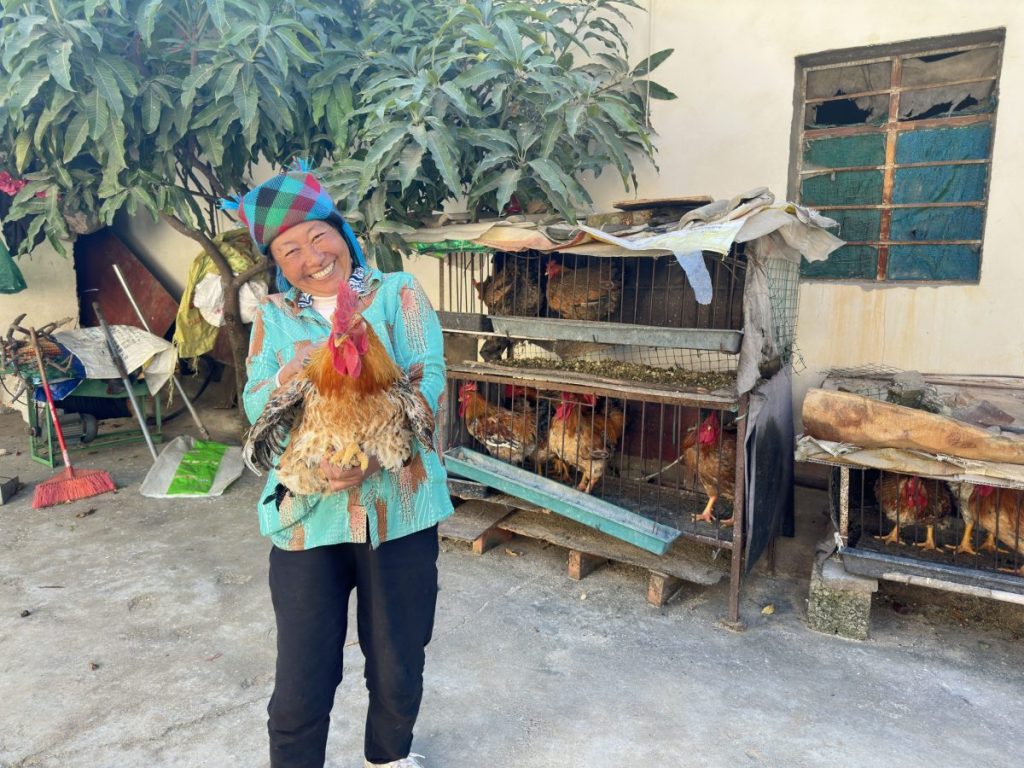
[891, 129]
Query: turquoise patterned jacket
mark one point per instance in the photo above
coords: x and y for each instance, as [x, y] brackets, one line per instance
[389, 504]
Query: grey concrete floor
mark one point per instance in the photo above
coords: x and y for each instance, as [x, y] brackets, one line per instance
[150, 642]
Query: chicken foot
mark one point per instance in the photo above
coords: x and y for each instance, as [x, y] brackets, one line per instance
[706, 516]
[352, 450]
[929, 540]
[893, 537]
[965, 547]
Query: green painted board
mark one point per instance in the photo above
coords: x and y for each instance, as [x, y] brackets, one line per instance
[851, 262]
[931, 145]
[940, 184]
[842, 188]
[568, 502]
[845, 151]
[934, 262]
[944, 223]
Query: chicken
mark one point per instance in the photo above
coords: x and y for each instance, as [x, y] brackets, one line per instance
[710, 454]
[1000, 512]
[583, 439]
[510, 291]
[350, 401]
[588, 293]
[509, 435]
[908, 499]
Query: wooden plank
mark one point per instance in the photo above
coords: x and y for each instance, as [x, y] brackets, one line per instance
[661, 587]
[685, 559]
[691, 201]
[582, 564]
[472, 519]
[597, 513]
[560, 329]
[490, 539]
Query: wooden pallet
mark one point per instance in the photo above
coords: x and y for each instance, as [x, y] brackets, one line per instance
[487, 524]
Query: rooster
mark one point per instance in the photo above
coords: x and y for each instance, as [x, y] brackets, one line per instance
[906, 499]
[710, 454]
[584, 441]
[350, 401]
[510, 291]
[588, 293]
[509, 435]
[1000, 512]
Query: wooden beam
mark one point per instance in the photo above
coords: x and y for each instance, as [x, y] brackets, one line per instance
[661, 588]
[582, 564]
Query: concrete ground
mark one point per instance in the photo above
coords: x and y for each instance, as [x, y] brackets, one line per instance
[136, 632]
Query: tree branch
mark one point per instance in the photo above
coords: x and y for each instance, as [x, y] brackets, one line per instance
[247, 274]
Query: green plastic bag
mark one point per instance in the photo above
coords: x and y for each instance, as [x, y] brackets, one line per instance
[11, 279]
[197, 469]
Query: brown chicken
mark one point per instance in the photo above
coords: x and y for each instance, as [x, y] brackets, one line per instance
[587, 293]
[583, 437]
[710, 454]
[1000, 513]
[908, 500]
[510, 291]
[350, 401]
[509, 435]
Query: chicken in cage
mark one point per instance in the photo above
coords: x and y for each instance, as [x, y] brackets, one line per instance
[954, 523]
[670, 463]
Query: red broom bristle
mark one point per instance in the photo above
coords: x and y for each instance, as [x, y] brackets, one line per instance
[71, 486]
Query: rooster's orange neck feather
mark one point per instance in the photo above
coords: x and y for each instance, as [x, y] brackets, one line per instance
[379, 371]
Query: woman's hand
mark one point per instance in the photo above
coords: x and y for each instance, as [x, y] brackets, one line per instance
[339, 479]
[294, 366]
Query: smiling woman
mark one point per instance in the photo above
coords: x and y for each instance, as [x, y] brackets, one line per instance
[314, 257]
[352, 500]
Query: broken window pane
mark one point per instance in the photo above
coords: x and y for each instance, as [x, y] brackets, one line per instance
[857, 225]
[947, 101]
[950, 67]
[857, 78]
[866, 110]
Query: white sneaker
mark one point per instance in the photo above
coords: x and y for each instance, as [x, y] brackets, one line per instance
[412, 761]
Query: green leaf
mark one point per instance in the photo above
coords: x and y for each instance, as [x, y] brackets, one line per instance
[195, 80]
[443, 153]
[291, 40]
[479, 74]
[656, 91]
[216, 10]
[651, 63]
[22, 147]
[75, 135]
[246, 100]
[507, 184]
[27, 87]
[59, 62]
[151, 109]
[98, 114]
[147, 20]
[409, 164]
[228, 79]
[107, 87]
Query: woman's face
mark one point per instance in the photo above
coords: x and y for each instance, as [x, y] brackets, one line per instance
[313, 256]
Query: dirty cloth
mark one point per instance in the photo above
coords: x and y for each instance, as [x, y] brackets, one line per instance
[951, 468]
[138, 349]
[193, 335]
[208, 298]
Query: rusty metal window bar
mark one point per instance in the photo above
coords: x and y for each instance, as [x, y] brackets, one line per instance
[895, 143]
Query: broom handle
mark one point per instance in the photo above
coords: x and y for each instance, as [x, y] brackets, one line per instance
[49, 398]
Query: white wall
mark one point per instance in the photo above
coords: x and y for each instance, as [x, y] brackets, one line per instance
[733, 70]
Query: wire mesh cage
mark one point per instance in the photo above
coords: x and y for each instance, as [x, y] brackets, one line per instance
[935, 521]
[662, 459]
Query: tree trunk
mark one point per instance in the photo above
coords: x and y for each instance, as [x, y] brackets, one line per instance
[232, 311]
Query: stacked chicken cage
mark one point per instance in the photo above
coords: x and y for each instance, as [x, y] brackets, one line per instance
[591, 382]
[929, 516]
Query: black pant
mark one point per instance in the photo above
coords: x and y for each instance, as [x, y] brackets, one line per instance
[396, 592]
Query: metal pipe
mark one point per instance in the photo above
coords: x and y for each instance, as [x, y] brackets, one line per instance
[739, 523]
[177, 382]
[950, 586]
[119, 363]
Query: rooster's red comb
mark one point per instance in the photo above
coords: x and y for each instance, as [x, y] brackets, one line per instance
[347, 306]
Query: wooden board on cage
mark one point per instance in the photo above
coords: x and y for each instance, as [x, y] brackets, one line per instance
[673, 464]
[945, 523]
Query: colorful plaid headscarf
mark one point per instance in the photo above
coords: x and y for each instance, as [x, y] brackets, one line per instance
[285, 200]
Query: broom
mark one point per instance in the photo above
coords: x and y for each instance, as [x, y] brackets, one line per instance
[70, 485]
